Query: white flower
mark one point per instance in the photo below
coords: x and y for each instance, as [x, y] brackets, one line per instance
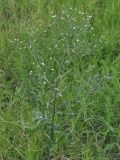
[54, 16]
[74, 19]
[43, 63]
[90, 16]
[30, 72]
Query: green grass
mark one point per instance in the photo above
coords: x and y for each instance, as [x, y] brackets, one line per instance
[59, 80]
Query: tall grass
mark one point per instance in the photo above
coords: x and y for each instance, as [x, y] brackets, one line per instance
[59, 80]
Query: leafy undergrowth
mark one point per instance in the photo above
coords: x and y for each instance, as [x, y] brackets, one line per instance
[59, 80]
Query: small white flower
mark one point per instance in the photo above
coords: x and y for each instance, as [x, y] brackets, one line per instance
[92, 28]
[83, 13]
[71, 8]
[43, 63]
[75, 9]
[30, 72]
[74, 19]
[62, 18]
[90, 17]
[50, 58]
[52, 69]
[77, 40]
[74, 28]
[44, 82]
[54, 16]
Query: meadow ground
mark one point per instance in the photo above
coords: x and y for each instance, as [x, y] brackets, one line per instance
[59, 79]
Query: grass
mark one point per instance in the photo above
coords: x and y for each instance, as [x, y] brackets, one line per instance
[59, 80]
